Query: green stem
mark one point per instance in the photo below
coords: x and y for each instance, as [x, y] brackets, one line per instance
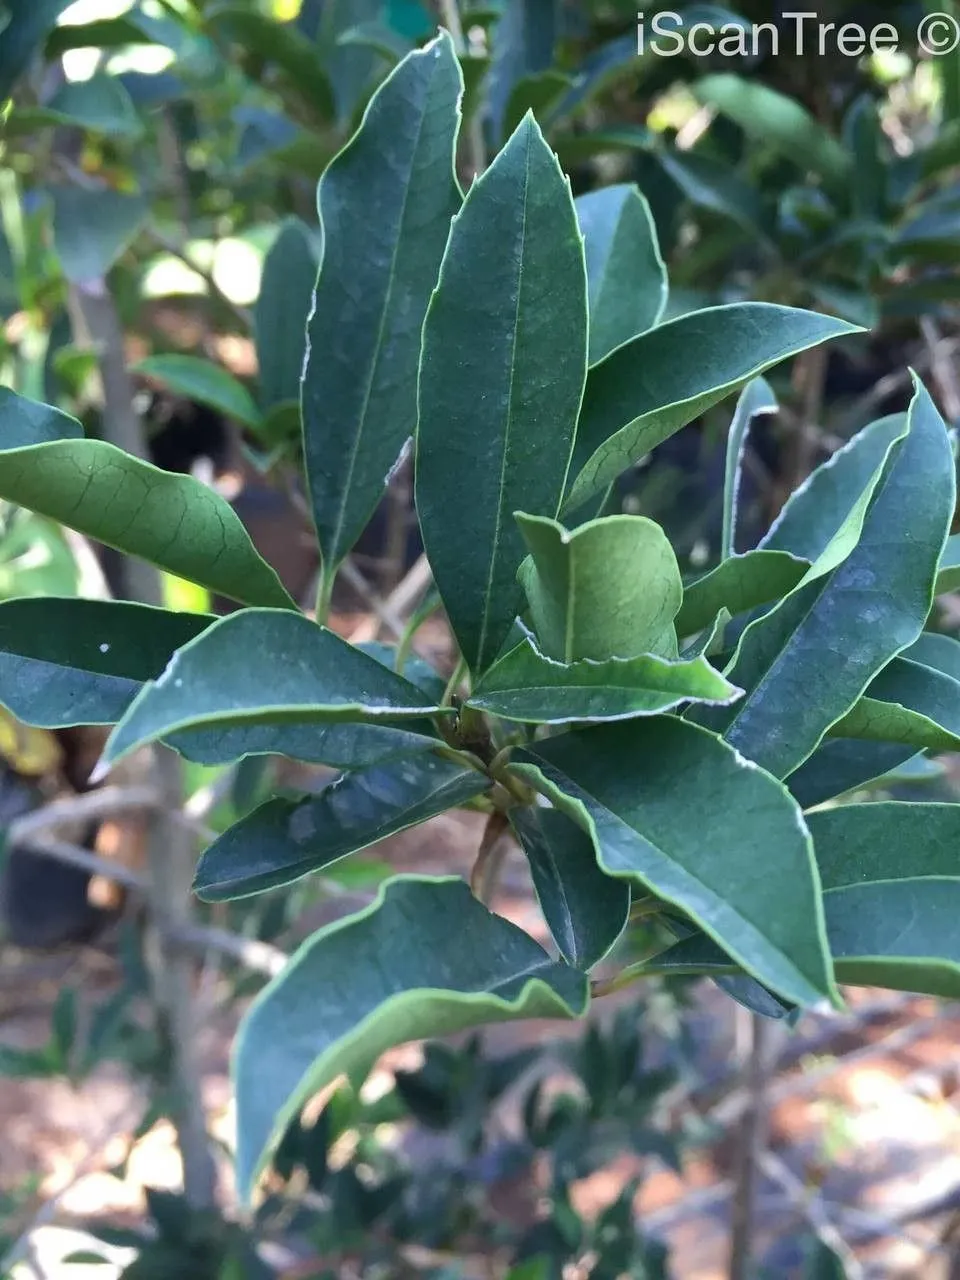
[642, 969]
[459, 671]
[324, 595]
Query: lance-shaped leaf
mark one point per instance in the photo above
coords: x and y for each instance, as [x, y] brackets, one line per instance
[737, 584]
[609, 588]
[283, 304]
[840, 765]
[283, 840]
[649, 388]
[902, 934]
[861, 614]
[69, 661]
[205, 382]
[619, 781]
[497, 405]
[585, 910]
[218, 681]
[814, 513]
[528, 686]
[376, 275]
[337, 1006]
[855, 843]
[948, 577]
[910, 703]
[756, 397]
[173, 521]
[626, 276]
[341, 746]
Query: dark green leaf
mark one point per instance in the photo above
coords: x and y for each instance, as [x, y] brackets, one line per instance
[92, 227]
[205, 382]
[25, 28]
[527, 686]
[385, 206]
[100, 104]
[337, 1006]
[173, 521]
[937, 651]
[286, 295]
[69, 662]
[281, 44]
[585, 910]
[740, 583]
[880, 594]
[855, 843]
[217, 681]
[910, 703]
[948, 579]
[649, 388]
[840, 765]
[756, 397]
[497, 408]
[523, 44]
[710, 184]
[814, 513]
[283, 840]
[626, 276]
[703, 856]
[609, 588]
[535, 93]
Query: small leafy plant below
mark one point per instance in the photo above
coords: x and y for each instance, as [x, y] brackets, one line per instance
[657, 747]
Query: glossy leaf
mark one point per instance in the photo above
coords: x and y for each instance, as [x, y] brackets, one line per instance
[70, 661]
[172, 521]
[336, 1007]
[740, 583]
[757, 397]
[907, 702]
[626, 276]
[92, 227]
[855, 843]
[497, 408]
[609, 588]
[585, 910]
[283, 840]
[881, 593]
[649, 388]
[280, 317]
[901, 934]
[203, 381]
[817, 509]
[376, 276]
[215, 682]
[526, 685]
[620, 781]
[840, 765]
[767, 116]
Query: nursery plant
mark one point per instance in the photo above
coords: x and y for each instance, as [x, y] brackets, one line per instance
[659, 748]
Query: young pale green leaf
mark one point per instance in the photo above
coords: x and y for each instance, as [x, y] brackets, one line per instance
[585, 909]
[205, 382]
[280, 316]
[526, 685]
[283, 840]
[626, 276]
[757, 397]
[901, 934]
[498, 405]
[173, 521]
[737, 584]
[359, 394]
[840, 765]
[908, 703]
[948, 577]
[863, 613]
[649, 388]
[313, 677]
[767, 116]
[855, 843]
[92, 227]
[723, 858]
[69, 661]
[815, 512]
[609, 588]
[337, 1006]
